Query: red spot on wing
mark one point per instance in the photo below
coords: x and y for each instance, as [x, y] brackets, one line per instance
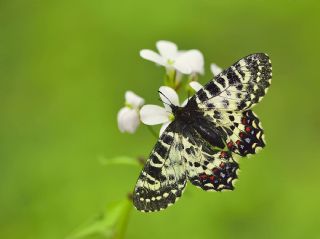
[216, 171]
[223, 154]
[230, 144]
[203, 177]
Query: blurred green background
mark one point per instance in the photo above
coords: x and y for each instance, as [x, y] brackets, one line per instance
[64, 68]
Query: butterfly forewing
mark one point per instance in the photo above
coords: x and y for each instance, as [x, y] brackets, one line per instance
[239, 87]
[163, 177]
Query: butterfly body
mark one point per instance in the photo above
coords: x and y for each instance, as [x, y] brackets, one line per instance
[183, 115]
[190, 117]
[202, 141]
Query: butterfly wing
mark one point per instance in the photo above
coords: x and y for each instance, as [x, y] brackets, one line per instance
[239, 87]
[207, 168]
[244, 132]
[163, 177]
[226, 101]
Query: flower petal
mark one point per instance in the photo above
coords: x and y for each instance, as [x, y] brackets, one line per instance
[169, 96]
[152, 56]
[153, 114]
[167, 49]
[185, 102]
[133, 99]
[128, 120]
[182, 67]
[193, 60]
[216, 70]
[163, 128]
[195, 85]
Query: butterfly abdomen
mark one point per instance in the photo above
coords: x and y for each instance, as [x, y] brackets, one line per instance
[211, 134]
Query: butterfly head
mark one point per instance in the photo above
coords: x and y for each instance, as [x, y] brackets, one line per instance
[178, 112]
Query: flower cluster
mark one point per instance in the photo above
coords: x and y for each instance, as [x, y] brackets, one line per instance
[178, 63]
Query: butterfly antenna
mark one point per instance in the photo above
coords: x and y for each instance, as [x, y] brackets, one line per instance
[163, 102]
[165, 97]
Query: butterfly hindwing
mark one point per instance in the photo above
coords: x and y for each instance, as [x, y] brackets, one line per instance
[163, 177]
[239, 87]
[240, 131]
[245, 133]
[208, 168]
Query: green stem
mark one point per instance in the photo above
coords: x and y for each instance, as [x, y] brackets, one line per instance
[170, 78]
[123, 222]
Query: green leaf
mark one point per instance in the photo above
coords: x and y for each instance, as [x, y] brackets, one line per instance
[120, 160]
[111, 224]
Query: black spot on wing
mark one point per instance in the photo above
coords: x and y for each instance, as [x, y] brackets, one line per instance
[155, 172]
[202, 95]
[232, 77]
[161, 149]
[221, 81]
[167, 139]
[213, 88]
[155, 159]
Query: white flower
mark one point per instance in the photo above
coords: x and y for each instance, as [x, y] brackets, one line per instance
[215, 69]
[154, 114]
[193, 59]
[195, 85]
[128, 116]
[186, 62]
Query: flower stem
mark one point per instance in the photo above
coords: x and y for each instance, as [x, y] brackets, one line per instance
[123, 222]
[170, 78]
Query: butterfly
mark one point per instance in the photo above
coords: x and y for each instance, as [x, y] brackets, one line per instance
[207, 135]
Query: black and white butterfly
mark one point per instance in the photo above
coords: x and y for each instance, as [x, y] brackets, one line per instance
[200, 144]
